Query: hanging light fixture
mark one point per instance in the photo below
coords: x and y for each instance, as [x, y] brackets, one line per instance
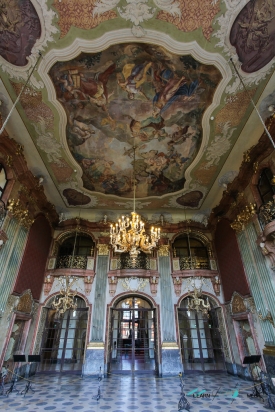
[66, 299]
[128, 235]
[196, 302]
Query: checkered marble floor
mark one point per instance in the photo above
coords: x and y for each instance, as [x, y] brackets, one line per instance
[125, 393]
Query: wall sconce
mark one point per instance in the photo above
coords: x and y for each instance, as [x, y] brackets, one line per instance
[1, 243]
[267, 317]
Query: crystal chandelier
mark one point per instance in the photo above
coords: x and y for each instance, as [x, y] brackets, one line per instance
[66, 299]
[197, 303]
[128, 235]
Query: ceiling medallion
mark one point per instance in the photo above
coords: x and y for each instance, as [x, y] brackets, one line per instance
[128, 235]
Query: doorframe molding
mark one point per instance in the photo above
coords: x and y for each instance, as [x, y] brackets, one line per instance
[111, 306]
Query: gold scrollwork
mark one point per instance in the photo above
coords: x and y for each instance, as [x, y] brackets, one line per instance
[243, 217]
[246, 156]
[103, 249]
[19, 213]
[163, 250]
[9, 160]
[238, 305]
[19, 149]
[25, 303]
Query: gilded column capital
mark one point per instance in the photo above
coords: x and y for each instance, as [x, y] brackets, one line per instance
[103, 249]
[164, 250]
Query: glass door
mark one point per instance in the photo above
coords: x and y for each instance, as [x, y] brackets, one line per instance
[133, 337]
[201, 345]
[64, 340]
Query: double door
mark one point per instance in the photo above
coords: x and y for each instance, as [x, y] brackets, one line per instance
[132, 346]
[201, 345]
[63, 343]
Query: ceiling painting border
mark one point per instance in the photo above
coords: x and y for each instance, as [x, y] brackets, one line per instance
[116, 37]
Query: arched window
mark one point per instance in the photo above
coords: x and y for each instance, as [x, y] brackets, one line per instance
[191, 252]
[74, 251]
[265, 188]
[3, 180]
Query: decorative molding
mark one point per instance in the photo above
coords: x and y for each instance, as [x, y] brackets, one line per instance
[176, 264]
[90, 263]
[237, 304]
[154, 280]
[177, 281]
[103, 249]
[48, 283]
[112, 280]
[164, 250]
[137, 11]
[153, 264]
[51, 263]
[113, 264]
[25, 303]
[223, 333]
[134, 284]
[46, 18]
[88, 280]
[216, 285]
[40, 331]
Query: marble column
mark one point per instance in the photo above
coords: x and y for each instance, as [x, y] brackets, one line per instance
[94, 359]
[170, 363]
[263, 292]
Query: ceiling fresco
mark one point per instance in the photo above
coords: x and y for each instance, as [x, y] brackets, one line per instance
[134, 94]
[19, 28]
[151, 73]
[253, 34]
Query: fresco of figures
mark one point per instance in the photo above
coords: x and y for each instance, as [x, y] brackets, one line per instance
[132, 94]
[253, 34]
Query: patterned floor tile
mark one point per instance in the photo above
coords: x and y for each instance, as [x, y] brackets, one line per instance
[123, 393]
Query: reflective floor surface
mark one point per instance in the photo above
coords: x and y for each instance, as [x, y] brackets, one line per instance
[124, 393]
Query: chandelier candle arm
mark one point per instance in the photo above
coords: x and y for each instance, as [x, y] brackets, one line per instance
[128, 234]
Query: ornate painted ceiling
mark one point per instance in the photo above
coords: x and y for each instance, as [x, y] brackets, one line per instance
[151, 74]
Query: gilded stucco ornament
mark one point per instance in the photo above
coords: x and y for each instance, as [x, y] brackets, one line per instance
[25, 303]
[103, 249]
[163, 250]
[238, 305]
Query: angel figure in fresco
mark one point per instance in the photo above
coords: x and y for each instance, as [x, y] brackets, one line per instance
[257, 31]
[173, 90]
[80, 132]
[6, 23]
[180, 135]
[151, 128]
[155, 162]
[83, 86]
[135, 75]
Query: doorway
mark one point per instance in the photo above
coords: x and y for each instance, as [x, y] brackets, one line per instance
[200, 340]
[64, 340]
[133, 337]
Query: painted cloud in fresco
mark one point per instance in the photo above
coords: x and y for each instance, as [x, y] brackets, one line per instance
[133, 92]
[253, 34]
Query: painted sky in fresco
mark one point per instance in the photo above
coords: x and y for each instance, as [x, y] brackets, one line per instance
[134, 94]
